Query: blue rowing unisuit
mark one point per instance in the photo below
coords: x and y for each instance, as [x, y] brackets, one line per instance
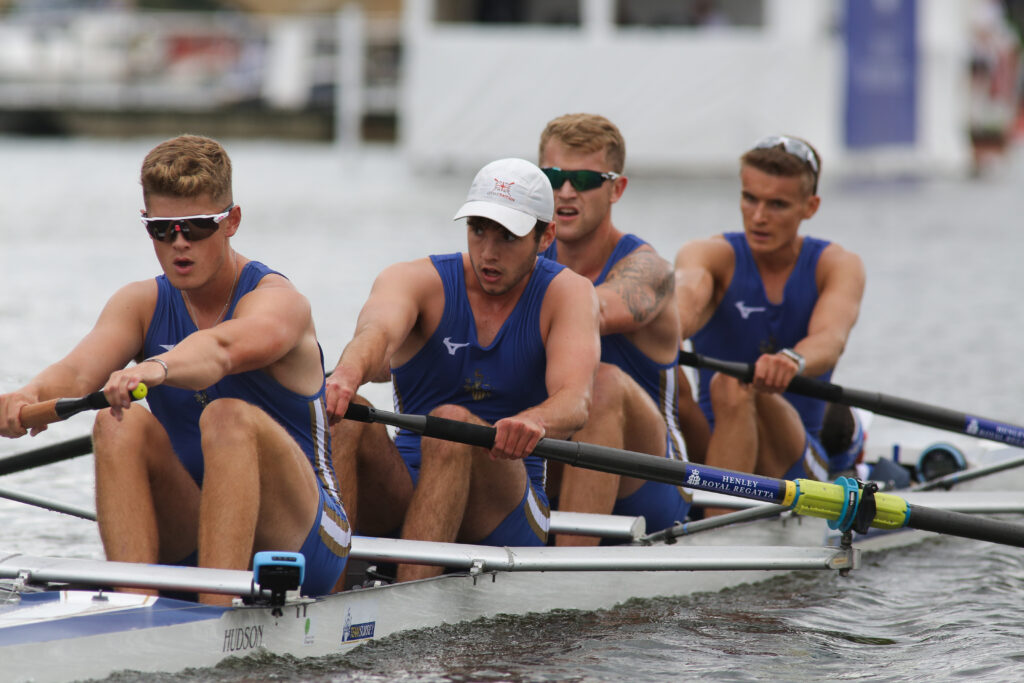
[304, 417]
[746, 324]
[495, 381]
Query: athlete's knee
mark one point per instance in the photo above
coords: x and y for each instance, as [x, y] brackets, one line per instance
[441, 450]
[226, 414]
[729, 393]
[611, 390]
[108, 432]
[454, 412]
[225, 425]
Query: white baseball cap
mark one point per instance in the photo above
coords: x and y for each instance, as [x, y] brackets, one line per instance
[512, 192]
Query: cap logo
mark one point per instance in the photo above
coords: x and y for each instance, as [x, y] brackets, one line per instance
[503, 189]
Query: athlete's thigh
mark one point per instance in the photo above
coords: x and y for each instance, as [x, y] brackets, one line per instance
[496, 487]
[288, 488]
[644, 432]
[781, 434]
[385, 487]
[120, 446]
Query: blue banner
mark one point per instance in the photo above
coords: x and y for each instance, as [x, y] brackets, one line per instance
[881, 72]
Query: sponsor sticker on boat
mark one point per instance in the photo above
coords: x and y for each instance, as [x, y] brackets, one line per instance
[353, 630]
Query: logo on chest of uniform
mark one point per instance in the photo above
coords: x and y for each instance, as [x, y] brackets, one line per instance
[477, 386]
[746, 311]
[453, 346]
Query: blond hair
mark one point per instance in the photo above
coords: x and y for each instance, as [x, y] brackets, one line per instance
[187, 166]
[587, 133]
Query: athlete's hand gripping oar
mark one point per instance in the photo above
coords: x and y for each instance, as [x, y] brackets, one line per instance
[882, 404]
[41, 414]
[843, 503]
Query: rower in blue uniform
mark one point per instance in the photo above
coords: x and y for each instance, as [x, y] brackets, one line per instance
[772, 297]
[496, 335]
[636, 391]
[235, 457]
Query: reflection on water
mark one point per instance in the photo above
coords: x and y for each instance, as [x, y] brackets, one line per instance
[941, 323]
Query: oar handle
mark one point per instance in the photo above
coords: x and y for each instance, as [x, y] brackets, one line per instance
[807, 386]
[57, 409]
[426, 425]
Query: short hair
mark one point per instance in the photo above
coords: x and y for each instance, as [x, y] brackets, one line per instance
[837, 428]
[187, 166]
[538, 230]
[778, 162]
[587, 133]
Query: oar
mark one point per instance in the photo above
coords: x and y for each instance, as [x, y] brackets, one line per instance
[47, 504]
[843, 504]
[55, 410]
[46, 455]
[882, 404]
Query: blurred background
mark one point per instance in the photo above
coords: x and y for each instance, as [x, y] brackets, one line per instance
[880, 86]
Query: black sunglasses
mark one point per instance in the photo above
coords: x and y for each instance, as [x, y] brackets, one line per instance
[580, 180]
[192, 228]
[796, 147]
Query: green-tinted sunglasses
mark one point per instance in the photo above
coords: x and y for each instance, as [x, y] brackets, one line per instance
[580, 180]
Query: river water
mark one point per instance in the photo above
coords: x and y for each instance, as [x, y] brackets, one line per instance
[941, 323]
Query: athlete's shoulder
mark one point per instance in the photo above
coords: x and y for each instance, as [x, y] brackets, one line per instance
[709, 253]
[569, 285]
[835, 256]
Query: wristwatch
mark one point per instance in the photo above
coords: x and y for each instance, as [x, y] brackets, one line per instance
[796, 358]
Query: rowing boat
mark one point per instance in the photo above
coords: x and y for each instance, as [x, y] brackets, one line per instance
[80, 629]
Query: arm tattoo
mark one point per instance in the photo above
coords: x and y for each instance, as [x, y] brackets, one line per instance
[642, 280]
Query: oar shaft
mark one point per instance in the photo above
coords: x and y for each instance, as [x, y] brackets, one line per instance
[882, 404]
[966, 526]
[47, 504]
[47, 455]
[961, 476]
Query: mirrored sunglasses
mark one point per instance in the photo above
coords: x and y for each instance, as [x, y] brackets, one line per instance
[192, 228]
[580, 180]
[798, 148]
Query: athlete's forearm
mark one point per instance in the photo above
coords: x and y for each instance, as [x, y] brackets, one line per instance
[367, 355]
[562, 414]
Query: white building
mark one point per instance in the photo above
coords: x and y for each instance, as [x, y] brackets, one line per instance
[688, 99]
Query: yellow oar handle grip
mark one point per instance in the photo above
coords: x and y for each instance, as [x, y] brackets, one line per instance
[827, 501]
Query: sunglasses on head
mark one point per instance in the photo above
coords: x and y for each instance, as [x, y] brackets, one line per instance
[798, 148]
[192, 228]
[580, 180]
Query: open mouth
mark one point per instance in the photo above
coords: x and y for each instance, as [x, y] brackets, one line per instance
[183, 264]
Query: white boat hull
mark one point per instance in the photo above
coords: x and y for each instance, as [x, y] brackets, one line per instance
[75, 634]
